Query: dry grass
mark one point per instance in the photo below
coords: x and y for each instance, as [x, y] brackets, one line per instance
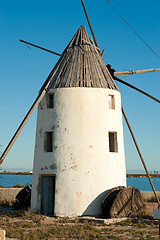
[23, 225]
[6, 203]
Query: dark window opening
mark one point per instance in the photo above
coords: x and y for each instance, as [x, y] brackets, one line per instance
[113, 144]
[50, 100]
[48, 142]
[111, 101]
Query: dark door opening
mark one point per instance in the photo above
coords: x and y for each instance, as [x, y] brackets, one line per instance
[48, 194]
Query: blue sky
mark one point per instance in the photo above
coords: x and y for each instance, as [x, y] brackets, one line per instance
[52, 24]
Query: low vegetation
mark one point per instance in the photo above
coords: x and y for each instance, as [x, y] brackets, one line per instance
[6, 203]
[152, 199]
[17, 185]
[23, 225]
[27, 226]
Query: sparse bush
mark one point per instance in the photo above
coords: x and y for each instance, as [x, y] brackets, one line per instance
[152, 199]
[5, 203]
[27, 185]
[31, 226]
[18, 185]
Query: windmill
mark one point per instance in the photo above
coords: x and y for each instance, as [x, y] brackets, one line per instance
[108, 74]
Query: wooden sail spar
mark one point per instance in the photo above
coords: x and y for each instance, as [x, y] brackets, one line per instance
[136, 71]
[130, 72]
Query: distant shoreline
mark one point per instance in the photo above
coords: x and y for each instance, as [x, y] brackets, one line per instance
[143, 175]
[128, 175]
[15, 173]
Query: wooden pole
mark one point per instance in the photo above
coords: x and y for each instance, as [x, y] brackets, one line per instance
[31, 110]
[96, 43]
[45, 49]
[126, 116]
[23, 123]
[140, 155]
[137, 89]
[102, 52]
[42, 92]
[135, 72]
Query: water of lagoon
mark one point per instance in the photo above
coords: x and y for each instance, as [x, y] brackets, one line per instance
[142, 183]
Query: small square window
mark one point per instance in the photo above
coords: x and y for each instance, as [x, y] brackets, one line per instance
[48, 142]
[111, 101]
[50, 100]
[113, 144]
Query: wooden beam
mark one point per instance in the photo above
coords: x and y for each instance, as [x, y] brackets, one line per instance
[102, 52]
[23, 123]
[45, 49]
[135, 72]
[96, 43]
[137, 89]
[140, 155]
[41, 94]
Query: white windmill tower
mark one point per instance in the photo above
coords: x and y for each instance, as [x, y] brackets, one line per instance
[79, 151]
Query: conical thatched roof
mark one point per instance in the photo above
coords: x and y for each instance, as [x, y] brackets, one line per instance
[81, 65]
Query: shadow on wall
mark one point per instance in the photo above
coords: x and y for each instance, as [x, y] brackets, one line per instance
[94, 208]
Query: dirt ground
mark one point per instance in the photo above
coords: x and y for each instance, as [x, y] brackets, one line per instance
[23, 225]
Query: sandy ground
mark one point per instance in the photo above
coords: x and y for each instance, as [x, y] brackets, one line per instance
[23, 225]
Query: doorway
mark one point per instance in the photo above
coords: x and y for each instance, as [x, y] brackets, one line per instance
[48, 194]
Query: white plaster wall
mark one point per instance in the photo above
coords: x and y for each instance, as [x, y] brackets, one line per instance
[81, 161]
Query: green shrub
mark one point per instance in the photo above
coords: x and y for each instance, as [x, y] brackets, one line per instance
[18, 185]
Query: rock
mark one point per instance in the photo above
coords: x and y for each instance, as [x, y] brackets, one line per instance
[23, 198]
